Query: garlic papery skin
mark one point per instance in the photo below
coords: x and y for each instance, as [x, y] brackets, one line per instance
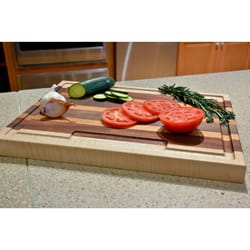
[52, 94]
[54, 108]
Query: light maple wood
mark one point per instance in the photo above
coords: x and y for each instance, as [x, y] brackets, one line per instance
[174, 160]
[248, 59]
[195, 58]
[207, 57]
[234, 56]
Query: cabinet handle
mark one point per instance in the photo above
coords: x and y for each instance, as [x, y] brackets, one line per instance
[222, 46]
[219, 45]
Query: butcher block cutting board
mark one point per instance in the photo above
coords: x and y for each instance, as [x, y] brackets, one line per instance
[211, 152]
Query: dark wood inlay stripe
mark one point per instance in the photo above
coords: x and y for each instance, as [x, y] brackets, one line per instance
[84, 120]
[99, 131]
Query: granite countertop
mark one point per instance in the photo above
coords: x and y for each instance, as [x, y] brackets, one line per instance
[36, 183]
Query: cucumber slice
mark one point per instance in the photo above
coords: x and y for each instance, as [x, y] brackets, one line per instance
[127, 99]
[119, 91]
[115, 93]
[108, 92]
[113, 98]
[119, 94]
[100, 97]
[117, 99]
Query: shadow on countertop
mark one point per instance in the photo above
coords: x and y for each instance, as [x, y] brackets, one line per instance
[145, 176]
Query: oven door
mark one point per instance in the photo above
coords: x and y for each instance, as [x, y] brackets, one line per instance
[42, 53]
[44, 80]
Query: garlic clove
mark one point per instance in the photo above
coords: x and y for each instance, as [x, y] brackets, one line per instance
[55, 108]
[52, 94]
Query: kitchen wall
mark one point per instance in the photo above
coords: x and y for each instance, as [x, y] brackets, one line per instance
[141, 60]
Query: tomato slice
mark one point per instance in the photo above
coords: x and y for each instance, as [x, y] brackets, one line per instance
[114, 117]
[157, 106]
[137, 112]
[182, 120]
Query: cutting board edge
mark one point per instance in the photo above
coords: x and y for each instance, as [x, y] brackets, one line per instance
[59, 139]
[220, 171]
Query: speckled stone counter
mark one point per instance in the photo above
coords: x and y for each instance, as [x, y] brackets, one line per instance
[33, 183]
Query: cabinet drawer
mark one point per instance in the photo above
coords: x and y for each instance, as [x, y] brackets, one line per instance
[44, 80]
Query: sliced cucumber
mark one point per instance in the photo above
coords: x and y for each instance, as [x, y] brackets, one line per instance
[115, 93]
[127, 99]
[119, 94]
[117, 99]
[114, 96]
[119, 91]
[108, 92]
[100, 97]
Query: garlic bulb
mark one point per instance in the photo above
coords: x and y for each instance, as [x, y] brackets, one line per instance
[52, 94]
[55, 108]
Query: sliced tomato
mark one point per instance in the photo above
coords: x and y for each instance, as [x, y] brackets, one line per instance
[114, 117]
[157, 106]
[137, 112]
[182, 120]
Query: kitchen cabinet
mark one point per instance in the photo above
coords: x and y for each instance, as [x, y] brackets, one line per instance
[235, 56]
[207, 57]
[195, 58]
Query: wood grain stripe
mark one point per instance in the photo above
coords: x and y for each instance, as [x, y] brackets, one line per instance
[84, 119]
[67, 121]
[160, 137]
[145, 133]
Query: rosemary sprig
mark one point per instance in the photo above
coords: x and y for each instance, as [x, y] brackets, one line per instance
[209, 106]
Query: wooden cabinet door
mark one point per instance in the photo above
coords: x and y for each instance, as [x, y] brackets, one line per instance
[196, 58]
[248, 59]
[234, 56]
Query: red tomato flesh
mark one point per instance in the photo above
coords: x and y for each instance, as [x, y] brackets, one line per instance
[157, 106]
[137, 112]
[182, 120]
[114, 117]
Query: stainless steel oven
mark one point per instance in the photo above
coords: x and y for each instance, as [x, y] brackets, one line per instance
[40, 64]
[41, 53]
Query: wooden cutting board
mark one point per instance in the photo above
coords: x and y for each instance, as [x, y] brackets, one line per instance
[212, 151]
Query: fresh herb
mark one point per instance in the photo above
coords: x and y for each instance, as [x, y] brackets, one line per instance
[209, 106]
